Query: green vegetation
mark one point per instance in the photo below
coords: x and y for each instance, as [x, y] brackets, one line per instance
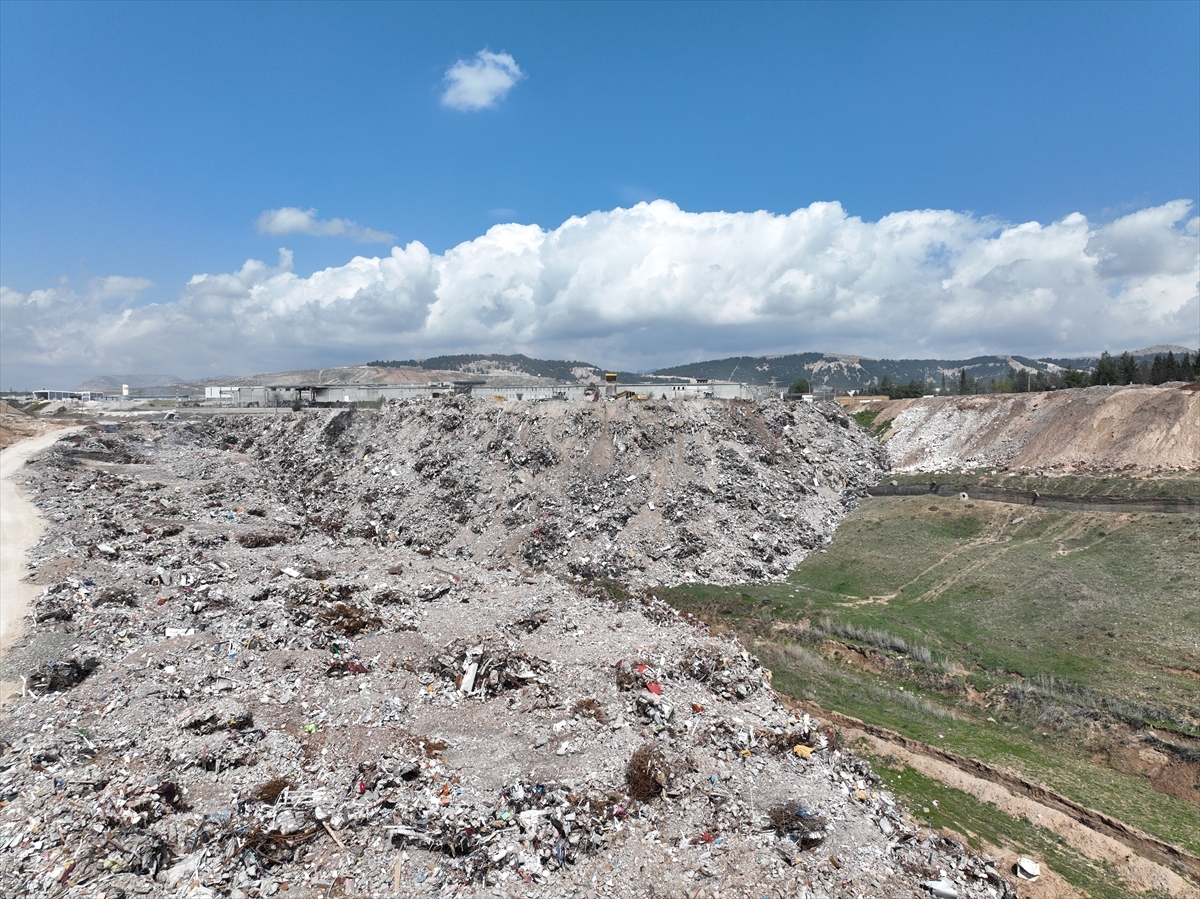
[866, 418]
[469, 364]
[942, 807]
[1042, 641]
[1176, 484]
[1127, 369]
[911, 390]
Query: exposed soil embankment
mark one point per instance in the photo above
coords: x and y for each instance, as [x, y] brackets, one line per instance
[16, 426]
[1145, 845]
[1096, 429]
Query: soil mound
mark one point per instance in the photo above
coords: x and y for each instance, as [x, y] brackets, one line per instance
[16, 425]
[1097, 428]
[357, 654]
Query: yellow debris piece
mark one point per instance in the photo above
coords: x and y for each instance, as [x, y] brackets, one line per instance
[803, 751]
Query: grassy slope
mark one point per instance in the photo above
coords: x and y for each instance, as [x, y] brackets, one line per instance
[1157, 485]
[1095, 615]
[939, 806]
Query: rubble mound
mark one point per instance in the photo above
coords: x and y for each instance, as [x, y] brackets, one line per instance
[394, 699]
[645, 493]
[1098, 428]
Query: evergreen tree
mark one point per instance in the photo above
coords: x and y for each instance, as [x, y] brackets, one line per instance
[1156, 370]
[1106, 371]
[1128, 368]
[1072, 377]
[1187, 369]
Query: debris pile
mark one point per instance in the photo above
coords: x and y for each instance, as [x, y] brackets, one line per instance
[645, 493]
[416, 690]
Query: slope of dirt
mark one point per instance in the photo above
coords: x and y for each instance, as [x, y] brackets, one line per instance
[1094, 833]
[245, 679]
[16, 426]
[1096, 429]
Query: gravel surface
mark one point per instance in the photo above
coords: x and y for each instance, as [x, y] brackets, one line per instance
[417, 653]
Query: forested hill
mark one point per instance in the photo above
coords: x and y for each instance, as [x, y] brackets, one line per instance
[497, 365]
[849, 372]
[486, 363]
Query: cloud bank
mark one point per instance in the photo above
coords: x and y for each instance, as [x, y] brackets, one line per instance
[480, 82]
[293, 220]
[649, 286]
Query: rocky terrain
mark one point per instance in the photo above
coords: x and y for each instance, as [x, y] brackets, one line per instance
[1097, 429]
[418, 653]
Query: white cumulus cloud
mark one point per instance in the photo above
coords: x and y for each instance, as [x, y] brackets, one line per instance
[480, 82]
[293, 220]
[649, 286]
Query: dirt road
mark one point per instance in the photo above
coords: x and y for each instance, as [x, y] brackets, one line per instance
[20, 528]
[1143, 863]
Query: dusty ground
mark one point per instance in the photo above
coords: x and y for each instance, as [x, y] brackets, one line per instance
[20, 528]
[1094, 429]
[16, 426]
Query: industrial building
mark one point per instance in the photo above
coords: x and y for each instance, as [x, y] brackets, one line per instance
[83, 396]
[266, 396]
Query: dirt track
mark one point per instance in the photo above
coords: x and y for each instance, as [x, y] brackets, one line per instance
[20, 528]
[1096, 429]
[1140, 859]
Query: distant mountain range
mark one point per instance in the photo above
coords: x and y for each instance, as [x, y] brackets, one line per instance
[495, 365]
[837, 370]
[846, 372]
[849, 372]
[113, 383]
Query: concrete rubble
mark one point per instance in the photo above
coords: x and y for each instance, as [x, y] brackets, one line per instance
[418, 653]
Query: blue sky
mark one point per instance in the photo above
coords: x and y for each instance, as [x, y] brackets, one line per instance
[143, 142]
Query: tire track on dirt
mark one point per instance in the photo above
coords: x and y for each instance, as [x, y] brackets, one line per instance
[1174, 858]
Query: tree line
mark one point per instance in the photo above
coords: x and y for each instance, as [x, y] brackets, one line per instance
[1109, 371]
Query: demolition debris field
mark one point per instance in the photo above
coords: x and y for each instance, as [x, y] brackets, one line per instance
[418, 653]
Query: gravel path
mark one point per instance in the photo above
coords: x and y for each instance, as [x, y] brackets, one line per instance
[20, 528]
